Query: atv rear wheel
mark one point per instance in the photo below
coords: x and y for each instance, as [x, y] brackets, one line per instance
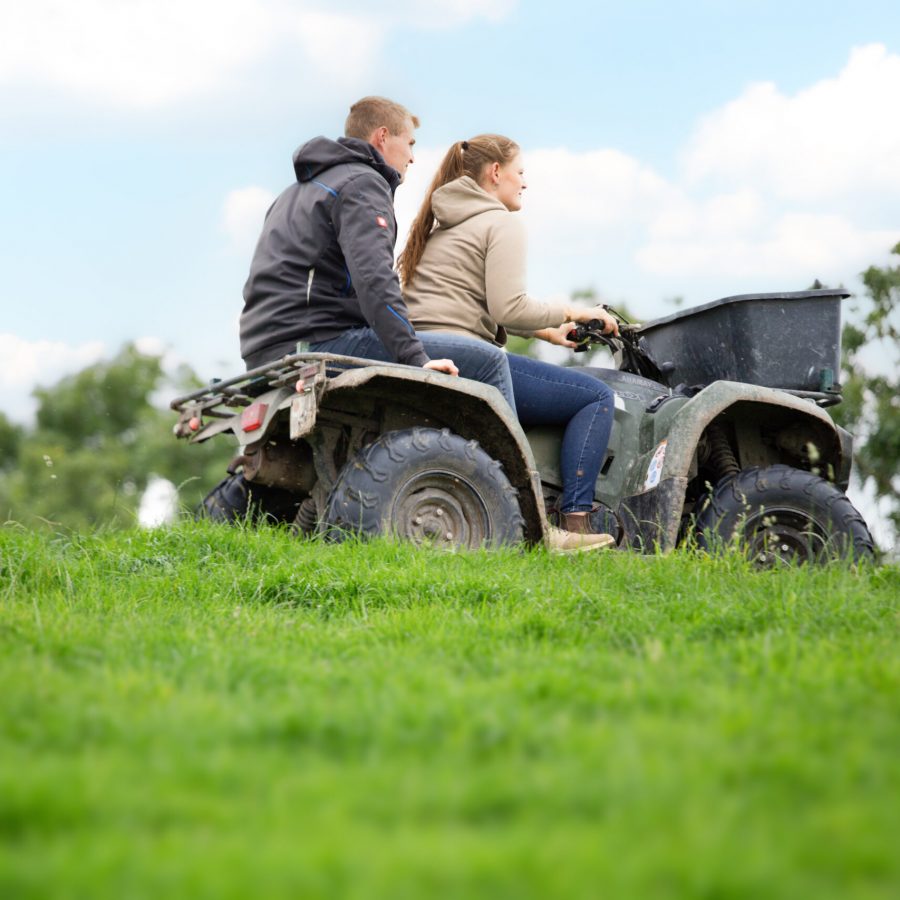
[425, 485]
[780, 514]
[234, 499]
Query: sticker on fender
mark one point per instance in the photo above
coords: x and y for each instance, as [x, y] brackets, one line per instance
[654, 470]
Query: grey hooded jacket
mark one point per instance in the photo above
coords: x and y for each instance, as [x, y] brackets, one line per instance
[324, 261]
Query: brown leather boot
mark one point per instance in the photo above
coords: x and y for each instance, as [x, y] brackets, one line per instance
[576, 535]
[578, 522]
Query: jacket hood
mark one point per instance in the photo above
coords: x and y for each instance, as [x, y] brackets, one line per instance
[461, 199]
[321, 153]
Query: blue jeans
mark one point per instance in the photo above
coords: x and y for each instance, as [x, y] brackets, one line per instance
[554, 395]
[475, 359]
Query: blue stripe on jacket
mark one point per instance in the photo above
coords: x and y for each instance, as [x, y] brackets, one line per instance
[404, 321]
[330, 190]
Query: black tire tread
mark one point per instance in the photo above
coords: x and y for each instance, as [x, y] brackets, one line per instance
[751, 488]
[365, 485]
[234, 499]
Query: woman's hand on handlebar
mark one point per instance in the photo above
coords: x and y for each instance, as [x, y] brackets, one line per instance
[585, 314]
[442, 365]
[558, 335]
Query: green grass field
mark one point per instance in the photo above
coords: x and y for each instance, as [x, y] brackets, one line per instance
[206, 712]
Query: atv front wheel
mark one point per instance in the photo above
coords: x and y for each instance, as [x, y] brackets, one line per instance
[425, 485]
[780, 514]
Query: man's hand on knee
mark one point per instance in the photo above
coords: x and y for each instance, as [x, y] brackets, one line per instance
[442, 365]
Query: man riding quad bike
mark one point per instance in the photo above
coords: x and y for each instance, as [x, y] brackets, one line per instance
[721, 436]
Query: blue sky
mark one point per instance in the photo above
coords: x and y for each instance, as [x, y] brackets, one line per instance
[688, 150]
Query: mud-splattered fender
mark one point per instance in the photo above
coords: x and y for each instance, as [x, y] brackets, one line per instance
[652, 515]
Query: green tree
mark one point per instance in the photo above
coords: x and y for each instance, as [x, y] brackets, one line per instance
[97, 440]
[871, 384]
[10, 441]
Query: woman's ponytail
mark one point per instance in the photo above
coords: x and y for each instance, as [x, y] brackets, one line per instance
[451, 168]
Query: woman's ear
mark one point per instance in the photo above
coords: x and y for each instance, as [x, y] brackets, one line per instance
[490, 176]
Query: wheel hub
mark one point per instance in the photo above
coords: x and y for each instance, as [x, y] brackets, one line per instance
[442, 509]
[784, 536]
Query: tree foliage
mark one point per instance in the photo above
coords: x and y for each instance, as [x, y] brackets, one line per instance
[871, 384]
[10, 440]
[97, 441]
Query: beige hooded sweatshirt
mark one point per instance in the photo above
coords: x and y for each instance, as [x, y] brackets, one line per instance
[471, 279]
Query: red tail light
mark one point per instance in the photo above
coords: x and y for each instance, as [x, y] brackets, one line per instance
[253, 416]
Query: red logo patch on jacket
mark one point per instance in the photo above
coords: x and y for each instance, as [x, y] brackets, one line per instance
[381, 221]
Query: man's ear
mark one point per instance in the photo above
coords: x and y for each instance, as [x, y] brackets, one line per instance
[378, 137]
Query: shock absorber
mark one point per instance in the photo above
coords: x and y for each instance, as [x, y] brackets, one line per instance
[305, 522]
[721, 459]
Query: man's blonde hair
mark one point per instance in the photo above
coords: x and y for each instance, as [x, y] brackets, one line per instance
[371, 113]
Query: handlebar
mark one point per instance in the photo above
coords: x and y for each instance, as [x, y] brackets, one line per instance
[586, 333]
[634, 356]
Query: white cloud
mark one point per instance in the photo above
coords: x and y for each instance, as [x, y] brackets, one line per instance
[580, 207]
[836, 137]
[681, 217]
[149, 53]
[150, 345]
[242, 216]
[792, 246]
[451, 12]
[418, 14]
[136, 53]
[792, 181]
[599, 188]
[170, 360]
[25, 364]
[360, 38]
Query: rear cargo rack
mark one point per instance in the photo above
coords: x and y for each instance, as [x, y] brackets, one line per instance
[242, 390]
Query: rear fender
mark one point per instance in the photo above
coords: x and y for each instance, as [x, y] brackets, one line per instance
[404, 396]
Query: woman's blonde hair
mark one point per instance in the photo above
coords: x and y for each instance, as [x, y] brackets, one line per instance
[470, 158]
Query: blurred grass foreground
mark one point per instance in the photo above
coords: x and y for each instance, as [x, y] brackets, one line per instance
[210, 712]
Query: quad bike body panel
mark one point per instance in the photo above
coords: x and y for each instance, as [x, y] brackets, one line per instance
[310, 424]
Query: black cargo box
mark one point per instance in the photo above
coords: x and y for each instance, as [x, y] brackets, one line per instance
[790, 340]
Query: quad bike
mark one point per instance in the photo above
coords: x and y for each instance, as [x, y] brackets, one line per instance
[720, 437]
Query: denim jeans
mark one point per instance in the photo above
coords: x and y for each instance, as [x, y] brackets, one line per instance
[475, 359]
[554, 395]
